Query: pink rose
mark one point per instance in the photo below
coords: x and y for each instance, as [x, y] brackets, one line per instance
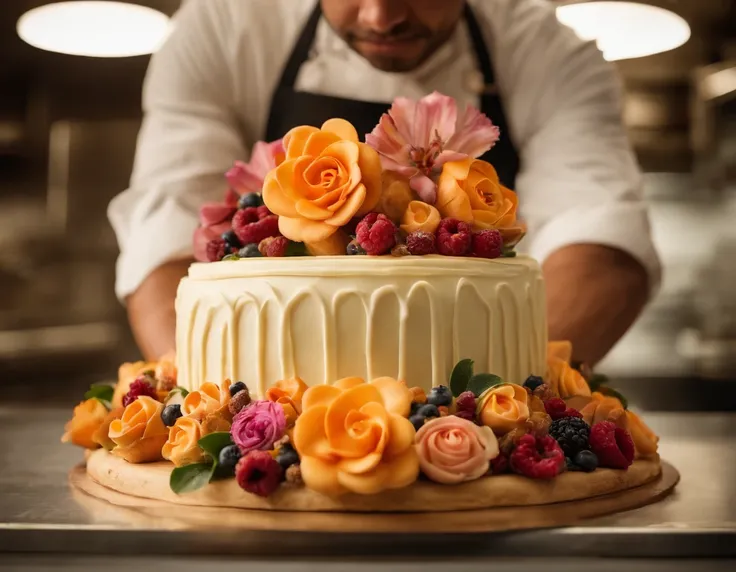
[214, 220]
[452, 450]
[258, 426]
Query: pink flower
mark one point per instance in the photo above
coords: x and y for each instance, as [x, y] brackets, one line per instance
[258, 426]
[416, 138]
[452, 450]
[215, 218]
[248, 177]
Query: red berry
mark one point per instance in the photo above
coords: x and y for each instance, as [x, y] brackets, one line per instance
[217, 249]
[273, 246]
[555, 408]
[253, 224]
[612, 445]
[466, 402]
[570, 412]
[139, 387]
[421, 243]
[467, 415]
[537, 458]
[487, 244]
[259, 473]
[500, 465]
[454, 238]
[376, 234]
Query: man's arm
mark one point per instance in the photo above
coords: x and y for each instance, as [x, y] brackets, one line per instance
[594, 294]
[151, 309]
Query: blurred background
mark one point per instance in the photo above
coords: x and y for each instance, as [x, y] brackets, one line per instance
[68, 126]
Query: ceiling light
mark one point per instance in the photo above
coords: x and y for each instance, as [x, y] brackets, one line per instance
[94, 28]
[625, 30]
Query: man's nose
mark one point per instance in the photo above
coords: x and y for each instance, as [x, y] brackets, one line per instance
[382, 16]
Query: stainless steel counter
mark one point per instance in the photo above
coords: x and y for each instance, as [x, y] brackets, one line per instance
[40, 514]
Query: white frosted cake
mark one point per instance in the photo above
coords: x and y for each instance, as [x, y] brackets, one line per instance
[325, 318]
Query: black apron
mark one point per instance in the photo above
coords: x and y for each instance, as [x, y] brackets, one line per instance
[291, 108]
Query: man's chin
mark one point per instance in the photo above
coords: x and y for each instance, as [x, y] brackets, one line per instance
[391, 64]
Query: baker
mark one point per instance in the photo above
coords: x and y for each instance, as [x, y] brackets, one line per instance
[237, 71]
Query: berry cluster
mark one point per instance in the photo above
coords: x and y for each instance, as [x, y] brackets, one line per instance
[143, 385]
[254, 233]
[376, 234]
[425, 407]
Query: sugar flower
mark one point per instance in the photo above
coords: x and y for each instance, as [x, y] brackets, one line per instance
[416, 138]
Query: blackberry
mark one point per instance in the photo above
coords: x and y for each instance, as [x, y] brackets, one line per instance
[571, 433]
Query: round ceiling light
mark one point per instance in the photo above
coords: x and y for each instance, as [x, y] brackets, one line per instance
[625, 30]
[100, 29]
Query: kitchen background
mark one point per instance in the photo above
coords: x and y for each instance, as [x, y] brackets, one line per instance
[68, 126]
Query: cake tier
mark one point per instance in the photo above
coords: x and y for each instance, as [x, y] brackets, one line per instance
[324, 318]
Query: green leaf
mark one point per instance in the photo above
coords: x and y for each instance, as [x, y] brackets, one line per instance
[596, 381]
[190, 477]
[482, 382]
[460, 376]
[100, 391]
[296, 249]
[213, 443]
[610, 392]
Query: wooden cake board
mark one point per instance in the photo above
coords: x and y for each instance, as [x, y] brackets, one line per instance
[145, 511]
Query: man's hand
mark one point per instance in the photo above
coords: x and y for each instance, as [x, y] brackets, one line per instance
[594, 294]
[151, 309]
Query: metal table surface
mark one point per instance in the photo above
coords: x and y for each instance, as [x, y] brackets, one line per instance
[39, 513]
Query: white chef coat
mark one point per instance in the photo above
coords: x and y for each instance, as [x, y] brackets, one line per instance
[207, 98]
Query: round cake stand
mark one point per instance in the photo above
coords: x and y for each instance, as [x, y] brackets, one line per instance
[655, 485]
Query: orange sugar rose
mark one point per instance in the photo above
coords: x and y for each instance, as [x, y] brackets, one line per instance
[354, 437]
[604, 408]
[645, 440]
[420, 216]
[102, 435]
[565, 380]
[182, 446]
[327, 178]
[470, 191]
[139, 434]
[86, 419]
[208, 399]
[288, 393]
[503, 407]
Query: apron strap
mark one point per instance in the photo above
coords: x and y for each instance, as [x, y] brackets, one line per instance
[300, 52]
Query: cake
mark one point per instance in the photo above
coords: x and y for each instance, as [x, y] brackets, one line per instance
[358, 334]
[325, 318]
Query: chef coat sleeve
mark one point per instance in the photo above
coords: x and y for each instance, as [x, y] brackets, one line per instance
[579, 182]
[188, 140]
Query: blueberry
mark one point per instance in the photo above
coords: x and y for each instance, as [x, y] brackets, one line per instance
[170, 414]
[250, 200]
[428, 411]
[229, 456]
[354, 248]
[249, 251]
[587, 461]
[440, 396]
[236, 387]
[231, 239]
[415, 407]
[287, 456]
[417, 420]
[533, 382]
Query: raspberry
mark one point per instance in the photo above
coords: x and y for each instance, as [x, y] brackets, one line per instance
[500, 465]
[487, 244]
[141, 386]
[466, 402]
[571, 433]
[467, 415]
[376, 234]
[570, 412]
[612, 445]
[259, 473]
[537, 458]
[273, 246]
[253, 224]
[454, 238]
[556, 408]
[421, 243]
[217, 249]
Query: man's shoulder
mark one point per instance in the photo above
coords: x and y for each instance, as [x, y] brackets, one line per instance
[508, 16]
